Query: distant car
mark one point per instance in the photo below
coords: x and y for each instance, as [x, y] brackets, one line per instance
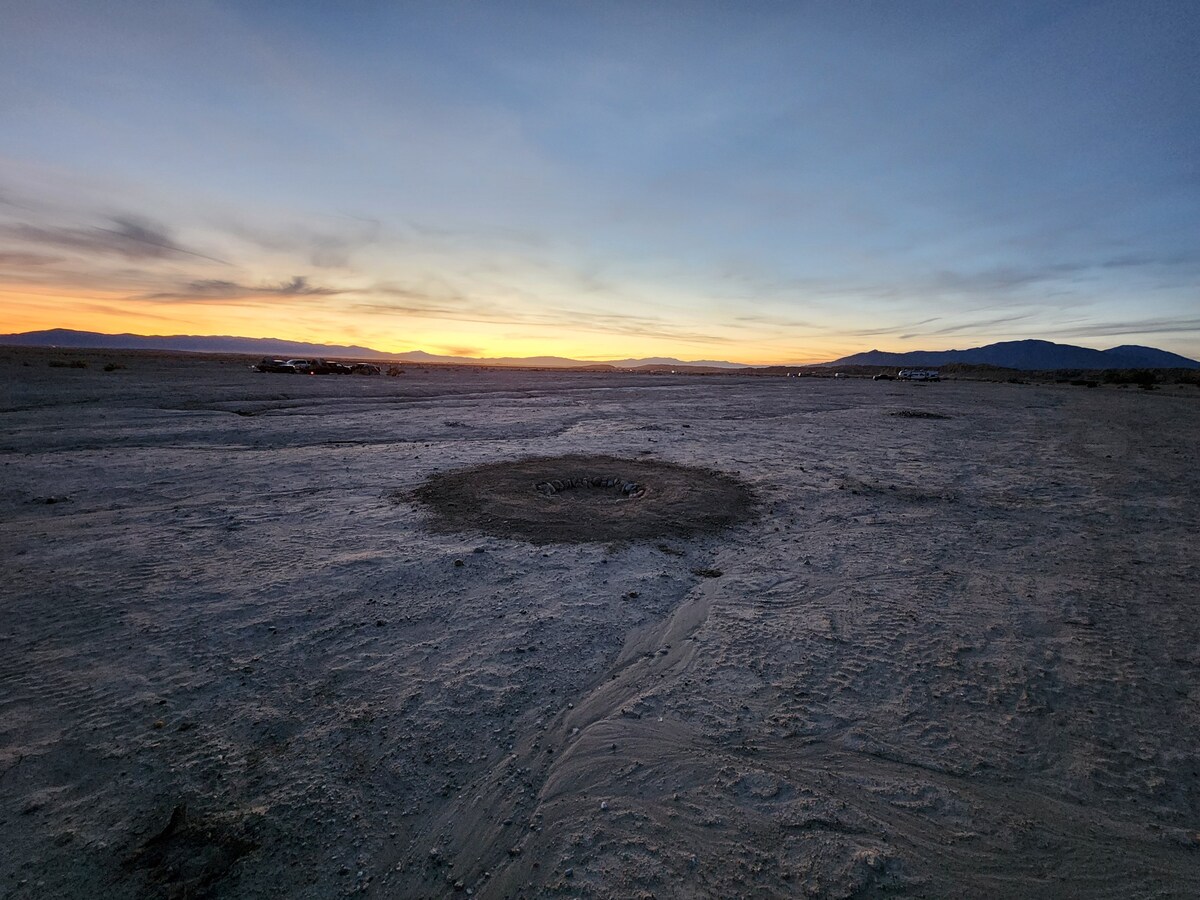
[839, 374]
[300, 365]
[267, 364]
[883, 377]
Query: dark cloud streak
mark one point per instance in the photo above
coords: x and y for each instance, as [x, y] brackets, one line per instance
[129, 237]
[218, 290]
[965, 327]
[1145, 326]
[887, 329]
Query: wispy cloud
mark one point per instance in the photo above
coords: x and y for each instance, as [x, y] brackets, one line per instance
[26, 259]
[976, 326]
[218, 290]
[323, 247]
[479, 236]
[1113, 329]
[1005, 279]
[773, 321]
[452, 305]
[1052, 284]
[128, 237]
[110, 309]
[885, 329]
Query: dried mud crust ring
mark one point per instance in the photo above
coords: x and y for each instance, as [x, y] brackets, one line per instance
[562, 499]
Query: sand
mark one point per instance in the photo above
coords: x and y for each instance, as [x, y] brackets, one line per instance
[945, 657]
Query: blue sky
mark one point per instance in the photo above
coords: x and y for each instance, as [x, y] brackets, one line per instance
[782, 182]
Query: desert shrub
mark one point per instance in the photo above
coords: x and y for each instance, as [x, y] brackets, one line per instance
[63, 364]
[112, 367]
[1143, 378]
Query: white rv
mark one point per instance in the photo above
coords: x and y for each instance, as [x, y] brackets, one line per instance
[919, 375]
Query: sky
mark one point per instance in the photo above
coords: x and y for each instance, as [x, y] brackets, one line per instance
[760, 182]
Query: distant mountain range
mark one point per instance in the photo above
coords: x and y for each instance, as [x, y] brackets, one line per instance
[91, 340]
[557, 362]
[1029, 355]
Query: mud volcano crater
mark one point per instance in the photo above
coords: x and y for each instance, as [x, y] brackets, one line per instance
[581, 498]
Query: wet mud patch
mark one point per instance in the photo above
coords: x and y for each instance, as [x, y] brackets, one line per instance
[585, 498]
[190, 856]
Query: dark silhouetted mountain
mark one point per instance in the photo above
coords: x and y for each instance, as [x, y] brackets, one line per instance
[1030, 355]
[1131, 356]
[1008, 354]
[548, 362]
[559, 362]
[670, 361]
[90, 340]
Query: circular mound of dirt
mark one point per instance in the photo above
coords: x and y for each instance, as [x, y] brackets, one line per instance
[576, 499]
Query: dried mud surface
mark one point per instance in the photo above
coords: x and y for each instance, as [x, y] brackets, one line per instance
[947, 657]
[502, 499]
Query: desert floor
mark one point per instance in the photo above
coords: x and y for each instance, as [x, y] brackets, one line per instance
[946, 657]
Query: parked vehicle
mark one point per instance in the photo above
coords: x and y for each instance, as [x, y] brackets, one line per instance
[329, 367]
[266, 364]
[883, 376]
[316, 366]
[919, 375]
